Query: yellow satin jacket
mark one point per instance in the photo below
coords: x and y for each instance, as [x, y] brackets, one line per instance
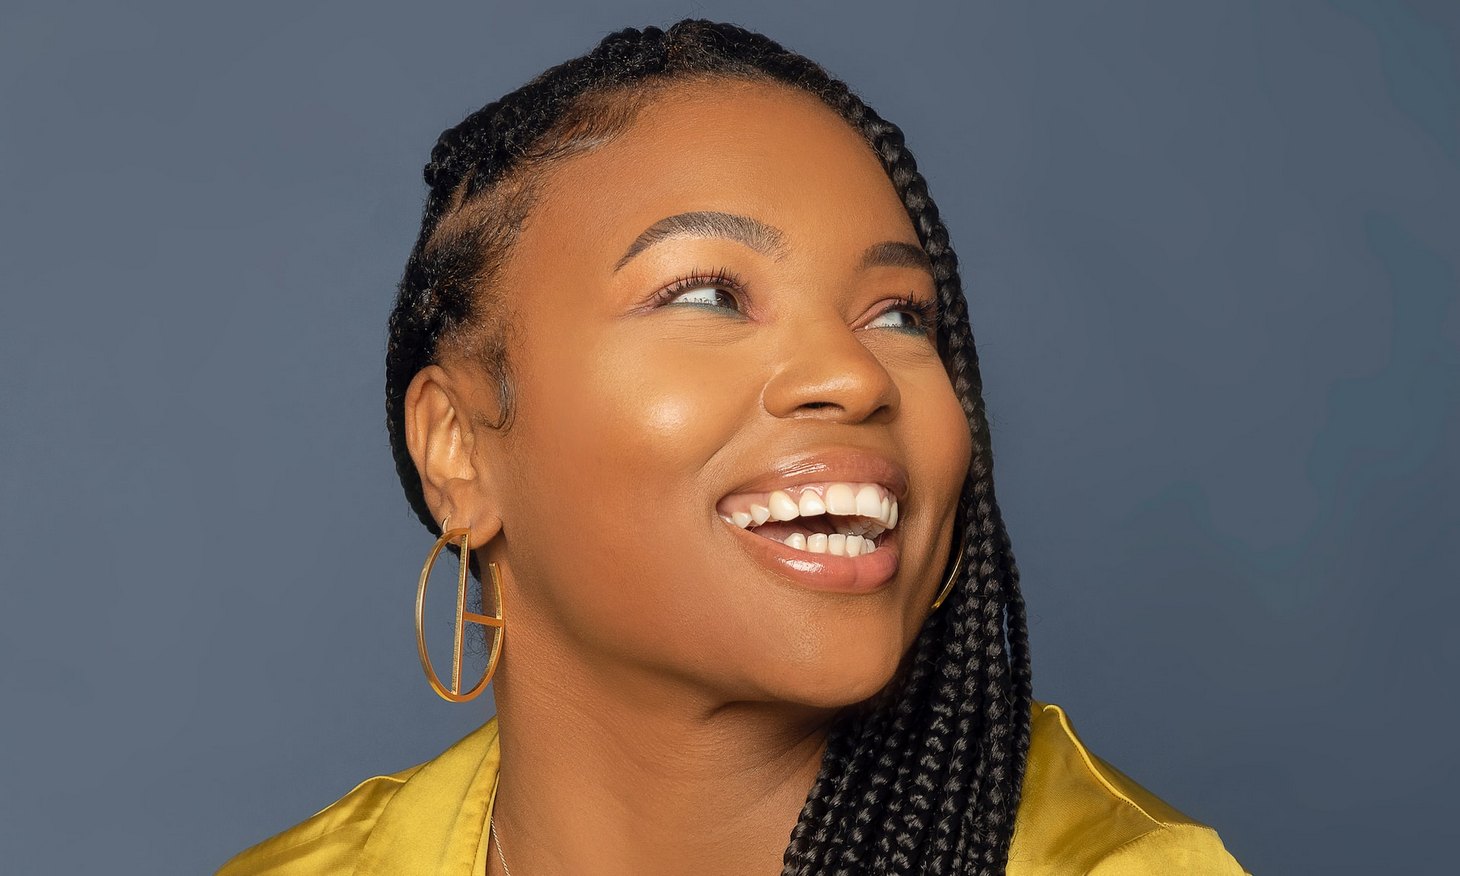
[1078, 816]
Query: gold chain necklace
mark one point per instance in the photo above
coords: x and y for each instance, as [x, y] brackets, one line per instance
[501, 857]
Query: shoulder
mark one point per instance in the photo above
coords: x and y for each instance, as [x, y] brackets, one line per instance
[1080, 815]
[326, 842]
[401, 824]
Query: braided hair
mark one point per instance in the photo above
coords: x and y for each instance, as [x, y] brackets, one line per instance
[925, 777]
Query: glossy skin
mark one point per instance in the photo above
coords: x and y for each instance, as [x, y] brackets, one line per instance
[653, 673]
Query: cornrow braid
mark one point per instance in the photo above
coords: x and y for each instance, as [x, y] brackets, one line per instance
[925, 777]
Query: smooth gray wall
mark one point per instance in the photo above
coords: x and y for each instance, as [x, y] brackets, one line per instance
[1211, 253]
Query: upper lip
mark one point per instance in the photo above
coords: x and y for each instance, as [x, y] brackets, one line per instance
[847, 464]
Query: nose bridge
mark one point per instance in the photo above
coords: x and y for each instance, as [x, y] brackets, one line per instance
[824, 368]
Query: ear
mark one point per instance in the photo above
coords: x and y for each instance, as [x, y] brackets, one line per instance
[440, 437]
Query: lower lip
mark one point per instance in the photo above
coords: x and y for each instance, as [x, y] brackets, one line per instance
[859, 574]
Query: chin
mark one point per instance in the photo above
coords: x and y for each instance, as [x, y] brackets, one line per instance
[838, 676]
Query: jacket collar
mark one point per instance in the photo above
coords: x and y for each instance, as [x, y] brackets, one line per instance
[436, 822]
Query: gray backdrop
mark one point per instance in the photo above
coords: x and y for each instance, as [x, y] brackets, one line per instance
[1210, 250]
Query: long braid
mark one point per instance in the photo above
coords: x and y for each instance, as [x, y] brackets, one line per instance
[981, 809]
[925, 778]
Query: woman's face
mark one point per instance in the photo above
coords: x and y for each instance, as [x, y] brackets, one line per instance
[643, 422]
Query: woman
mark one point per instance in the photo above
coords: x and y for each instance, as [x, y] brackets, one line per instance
[681, 357]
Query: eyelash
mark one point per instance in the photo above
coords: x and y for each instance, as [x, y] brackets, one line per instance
[728, 281]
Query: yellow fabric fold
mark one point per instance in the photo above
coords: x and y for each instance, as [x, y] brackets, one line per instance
[1079, 816]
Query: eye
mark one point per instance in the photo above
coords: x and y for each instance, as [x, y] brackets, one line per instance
[705, 290]
[924, 313]
[708, 295]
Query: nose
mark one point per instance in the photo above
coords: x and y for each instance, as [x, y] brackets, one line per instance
[828, 373]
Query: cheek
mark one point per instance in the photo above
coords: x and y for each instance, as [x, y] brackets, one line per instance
[616, 512]
[645, 421]
[939, 458]
[934, 428]
[953, 448]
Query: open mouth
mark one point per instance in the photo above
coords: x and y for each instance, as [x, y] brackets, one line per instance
[842, 519]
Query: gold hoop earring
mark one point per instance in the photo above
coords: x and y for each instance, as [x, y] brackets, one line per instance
[454, 693]
[957, 562]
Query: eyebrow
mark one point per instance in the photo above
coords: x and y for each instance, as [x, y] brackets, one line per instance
[753, 233]
[763, 238]
[896, 254]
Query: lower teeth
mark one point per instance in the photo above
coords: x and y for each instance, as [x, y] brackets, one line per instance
[838, 545]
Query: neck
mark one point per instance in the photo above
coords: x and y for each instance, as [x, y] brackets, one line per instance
[635, 774]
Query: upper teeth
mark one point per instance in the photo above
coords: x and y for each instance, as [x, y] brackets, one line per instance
[870, 501]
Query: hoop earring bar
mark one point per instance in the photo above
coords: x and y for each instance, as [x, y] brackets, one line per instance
[957, 562]
[454, 693]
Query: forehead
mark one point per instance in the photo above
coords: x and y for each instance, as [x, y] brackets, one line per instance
[762, 150]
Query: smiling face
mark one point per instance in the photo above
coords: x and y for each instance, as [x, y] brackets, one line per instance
[712, 305]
